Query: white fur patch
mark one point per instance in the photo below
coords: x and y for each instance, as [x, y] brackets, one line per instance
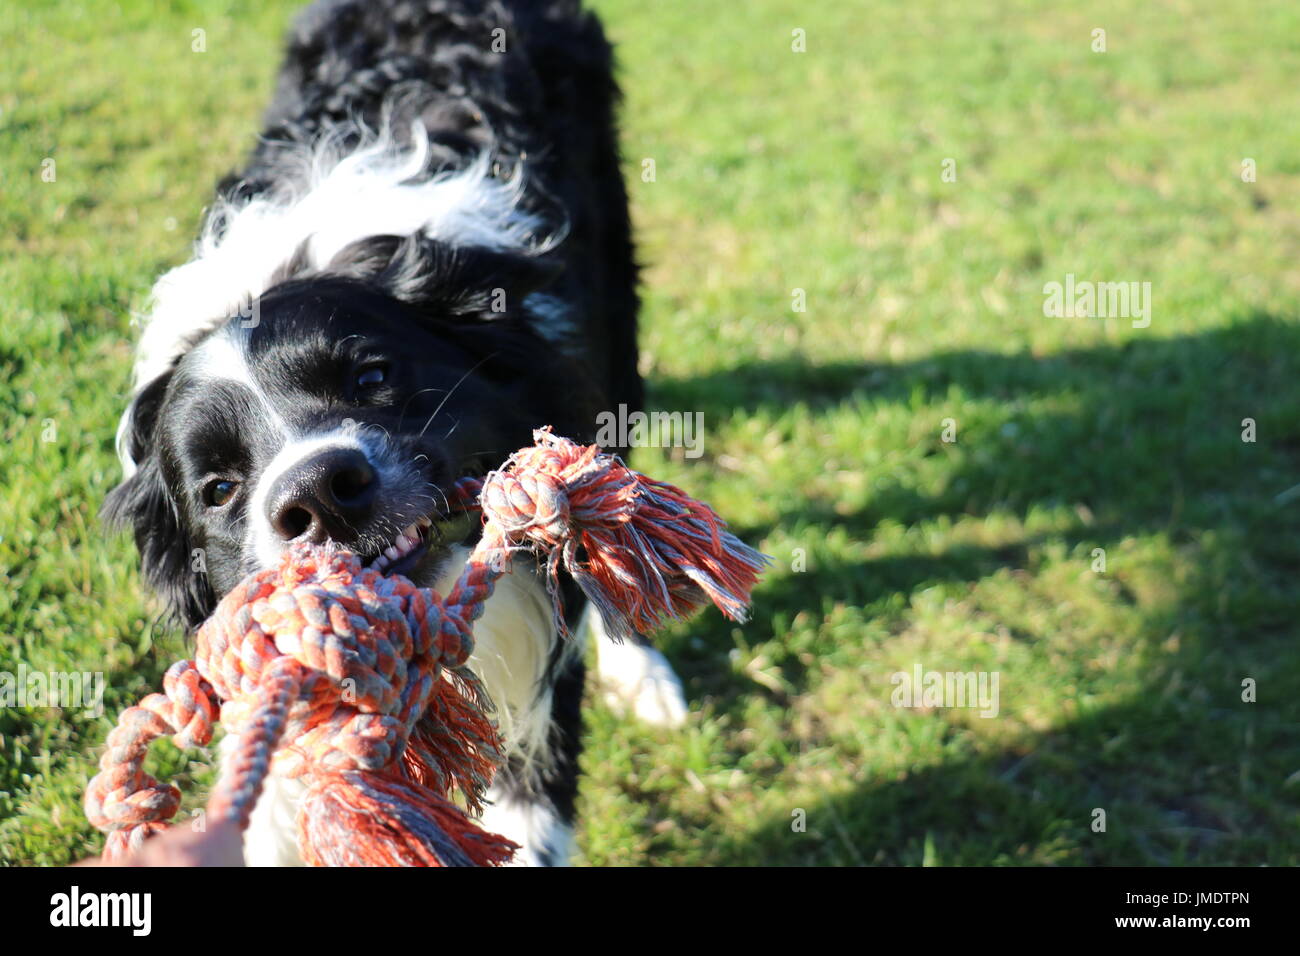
[272, 835]
[377, 189]
[220, 358]
[552, 318]
[512, 644]
[544, 839]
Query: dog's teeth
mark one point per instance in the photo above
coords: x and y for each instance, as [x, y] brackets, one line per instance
[402, 545]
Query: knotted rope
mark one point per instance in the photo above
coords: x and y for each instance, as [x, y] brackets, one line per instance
[357, 682]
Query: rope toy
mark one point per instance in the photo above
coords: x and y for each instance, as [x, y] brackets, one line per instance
[357, 682]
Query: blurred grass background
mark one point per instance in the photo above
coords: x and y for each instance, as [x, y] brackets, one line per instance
[818, 171]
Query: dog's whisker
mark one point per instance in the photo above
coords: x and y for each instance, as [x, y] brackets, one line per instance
[447, 397]
[406, 404]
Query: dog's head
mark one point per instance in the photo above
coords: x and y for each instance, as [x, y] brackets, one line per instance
[340, 407]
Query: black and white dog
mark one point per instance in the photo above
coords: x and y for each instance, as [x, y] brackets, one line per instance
[427, 256]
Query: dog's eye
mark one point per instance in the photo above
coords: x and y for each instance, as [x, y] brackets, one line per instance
[372, 375]
[219, 492]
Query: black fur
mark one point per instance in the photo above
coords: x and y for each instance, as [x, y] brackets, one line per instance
[546, 102]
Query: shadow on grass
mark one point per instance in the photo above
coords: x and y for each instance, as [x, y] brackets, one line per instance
[1145, 438]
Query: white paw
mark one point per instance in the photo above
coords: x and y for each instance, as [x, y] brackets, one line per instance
[640, 680]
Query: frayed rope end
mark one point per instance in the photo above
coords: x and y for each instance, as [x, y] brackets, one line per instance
[644, 552]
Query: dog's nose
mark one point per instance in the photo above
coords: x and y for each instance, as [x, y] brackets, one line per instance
[327, 496]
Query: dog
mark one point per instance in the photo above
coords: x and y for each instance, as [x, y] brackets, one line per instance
[427, 255]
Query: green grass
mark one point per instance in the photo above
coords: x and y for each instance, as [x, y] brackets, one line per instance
[817, 171]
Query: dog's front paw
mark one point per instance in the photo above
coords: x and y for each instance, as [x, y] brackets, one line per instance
[638, 679]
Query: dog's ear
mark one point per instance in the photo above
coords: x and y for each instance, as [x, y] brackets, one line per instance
[143, 503]
[452, 281]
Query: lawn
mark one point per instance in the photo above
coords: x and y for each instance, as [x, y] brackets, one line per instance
[846, 254]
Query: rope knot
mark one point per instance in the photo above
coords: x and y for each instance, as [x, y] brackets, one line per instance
[528, 504]
[192, 708]
[324, 670]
